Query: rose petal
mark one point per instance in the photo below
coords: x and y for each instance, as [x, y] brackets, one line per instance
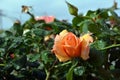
[70, 51]
[61, 58]
[60, 53]
[87, 37]
[85, 50]
[71, 40]
[63, 33]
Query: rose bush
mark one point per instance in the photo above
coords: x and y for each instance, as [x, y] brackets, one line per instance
[88, 48]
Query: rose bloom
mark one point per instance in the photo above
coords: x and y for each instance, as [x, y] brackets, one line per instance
[67, 46]
[47, 19]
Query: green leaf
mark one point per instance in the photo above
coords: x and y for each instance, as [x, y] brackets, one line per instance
[103, 13]
[77, 20]
[2, 51]
[40, 32]
[45, 56]
[90, 13]
[95, 29]
[72, 9]
[69, 75]
[84, 26]
[100, 44]
[33, 57]
[20, 62]
[114, 14]
[15, 43]
[97, 57]
[8, 33]
[18, 29]
[79, 70]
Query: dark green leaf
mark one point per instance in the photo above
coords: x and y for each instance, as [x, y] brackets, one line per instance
[90, 13]
[72, 9]
[103, 13]
[45, 56]
[83, 26]
[95, 29]
[33, 57]
[79, 70]
[8, 33]
[18, 29]
[96, 57]
[20, 62]
[40, 32]
[99, 44]
[77, 20]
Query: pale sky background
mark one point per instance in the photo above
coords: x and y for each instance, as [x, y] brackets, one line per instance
[11, 9]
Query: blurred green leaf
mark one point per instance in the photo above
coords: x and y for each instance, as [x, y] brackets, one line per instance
[8, 33]
[79, 70]
[96, 57]
[40, 32]
[72, 9]
[90, 13]
[95, 29]
[102, 13]
[20, 62]
[77, 20]
[99, 44]
[33, 57]
[45, 56]
[16, 42]
[83, 26]
[17, 29]
[114, 14]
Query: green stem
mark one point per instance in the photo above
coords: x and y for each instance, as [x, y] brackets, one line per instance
[47, 74]
[63, 64]
[69, 75]
[2, 64]
[111, 46]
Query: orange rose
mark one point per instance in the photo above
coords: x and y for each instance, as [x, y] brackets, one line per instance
[68, 46]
